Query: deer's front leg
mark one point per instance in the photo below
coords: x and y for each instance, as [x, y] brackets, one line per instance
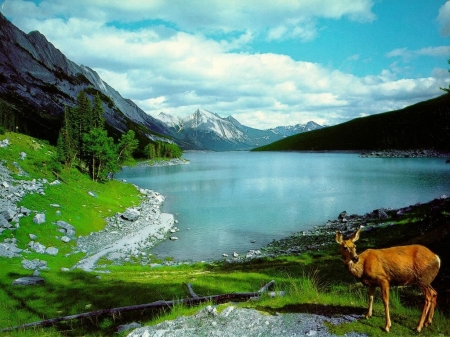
[385, 294]
[371, 293]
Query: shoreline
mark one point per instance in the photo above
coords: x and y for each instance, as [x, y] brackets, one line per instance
[127, 235]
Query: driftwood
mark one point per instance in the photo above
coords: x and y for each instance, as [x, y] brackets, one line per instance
[193, 300]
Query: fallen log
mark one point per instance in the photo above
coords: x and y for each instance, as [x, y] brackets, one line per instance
[194, 300]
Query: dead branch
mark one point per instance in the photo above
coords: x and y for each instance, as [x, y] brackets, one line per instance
[194, 300]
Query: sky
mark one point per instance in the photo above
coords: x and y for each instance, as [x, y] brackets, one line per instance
[266, 63]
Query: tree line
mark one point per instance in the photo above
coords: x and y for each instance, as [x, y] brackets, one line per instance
[83, 141]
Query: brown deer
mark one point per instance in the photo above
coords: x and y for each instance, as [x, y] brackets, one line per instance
[401, 265]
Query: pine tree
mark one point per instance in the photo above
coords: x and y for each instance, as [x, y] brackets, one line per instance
[101, 154]
[127, 145]
[98, 120]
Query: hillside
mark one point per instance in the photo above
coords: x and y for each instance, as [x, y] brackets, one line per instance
[425, 125]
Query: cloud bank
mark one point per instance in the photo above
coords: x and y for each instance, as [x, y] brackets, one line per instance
[177, 56]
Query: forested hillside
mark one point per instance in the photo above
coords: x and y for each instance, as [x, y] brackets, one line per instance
[425, 125]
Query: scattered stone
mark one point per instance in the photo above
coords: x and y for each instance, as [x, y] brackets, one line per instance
[55, 182]
[28, 281]
[39, 218]
[33, 236]
[55, 205]
[35, 264]
[173, 238]
[23, 155]
[9, 249]
[92, 194]
[65, 269]
[65, 239]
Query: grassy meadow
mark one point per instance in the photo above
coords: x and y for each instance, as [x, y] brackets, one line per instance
[314, 281]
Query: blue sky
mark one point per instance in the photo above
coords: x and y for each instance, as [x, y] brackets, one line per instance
[267, 63]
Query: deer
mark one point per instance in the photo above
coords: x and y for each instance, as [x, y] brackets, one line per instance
[401, 265]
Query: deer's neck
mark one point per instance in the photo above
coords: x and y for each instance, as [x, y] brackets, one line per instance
[355, 268]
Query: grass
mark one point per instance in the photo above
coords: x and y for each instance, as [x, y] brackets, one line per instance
[314, 282]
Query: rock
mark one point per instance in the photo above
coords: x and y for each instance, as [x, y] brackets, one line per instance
[39, 218]
[126, 327]
[37, 247]
[3, 222]
[52, 251]
[56, 182]
[66, 228]
[235, 254]
[173, 238]
[92, 194]
[131, 214]
[9, 250]
[25, 211]
[23, 155]
[65, 269]
[55, 205]
[65, 239]
[33, 236]
[8, 213]
[5, 184]
[28, 281]
[36, 264]
[4, 142]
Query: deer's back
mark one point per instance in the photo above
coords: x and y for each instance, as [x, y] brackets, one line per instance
[400, 265]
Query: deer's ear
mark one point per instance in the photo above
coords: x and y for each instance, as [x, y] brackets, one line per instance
[339, 237]
[355, 236]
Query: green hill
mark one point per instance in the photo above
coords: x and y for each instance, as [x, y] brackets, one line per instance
[425, 125]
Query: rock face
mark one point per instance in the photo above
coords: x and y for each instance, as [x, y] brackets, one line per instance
[41, 78]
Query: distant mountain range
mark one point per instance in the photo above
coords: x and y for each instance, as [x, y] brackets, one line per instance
[37, 81]
[205, 130]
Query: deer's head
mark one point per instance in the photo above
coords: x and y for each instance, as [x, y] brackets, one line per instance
[348, 247]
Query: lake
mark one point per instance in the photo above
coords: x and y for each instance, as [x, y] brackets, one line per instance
[236, 201]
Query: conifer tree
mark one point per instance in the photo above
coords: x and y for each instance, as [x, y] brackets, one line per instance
[127, 145]
[98, 121]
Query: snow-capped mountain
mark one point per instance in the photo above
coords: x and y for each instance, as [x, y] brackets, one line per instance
[290, 130]
[206, 130]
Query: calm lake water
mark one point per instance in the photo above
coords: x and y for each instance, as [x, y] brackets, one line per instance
[225, 200]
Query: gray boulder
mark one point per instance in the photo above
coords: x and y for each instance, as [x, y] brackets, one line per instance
[51, 251]
[37, 247]
[39, 218]
[28, 281]
[66, 228]
[131, 214]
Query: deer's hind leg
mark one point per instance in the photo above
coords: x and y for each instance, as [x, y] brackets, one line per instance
[428, 307]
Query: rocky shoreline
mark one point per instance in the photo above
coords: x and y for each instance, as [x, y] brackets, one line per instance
[425, 153]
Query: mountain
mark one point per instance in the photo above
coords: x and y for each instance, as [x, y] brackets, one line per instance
[37, 81]
[287, 131]
[425, 125]
[205, 130]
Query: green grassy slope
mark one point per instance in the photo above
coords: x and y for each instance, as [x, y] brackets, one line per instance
[425, 125]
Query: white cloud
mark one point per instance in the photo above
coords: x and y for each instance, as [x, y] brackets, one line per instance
[444, 19]
[179, 68]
